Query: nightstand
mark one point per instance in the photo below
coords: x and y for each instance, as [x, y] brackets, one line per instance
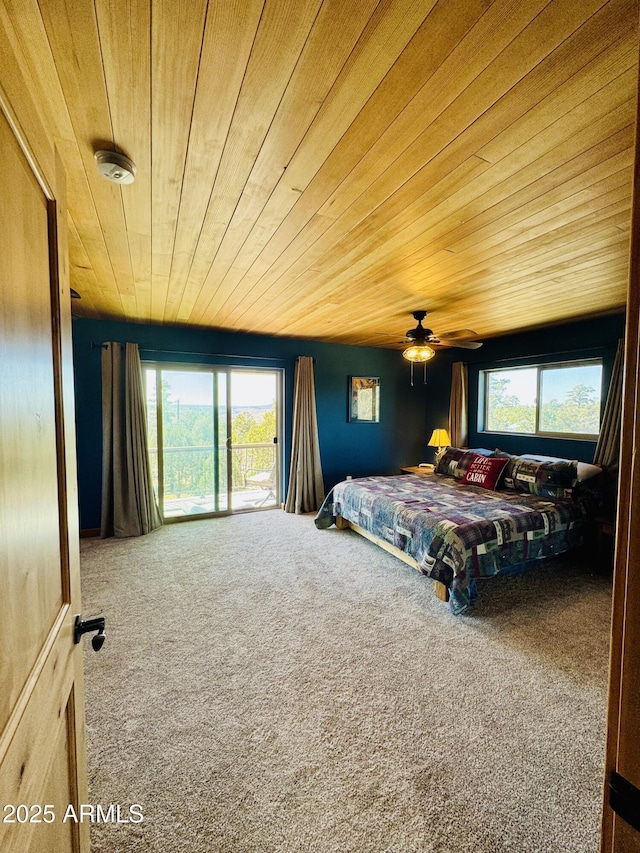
[605, 530]
[418, 469]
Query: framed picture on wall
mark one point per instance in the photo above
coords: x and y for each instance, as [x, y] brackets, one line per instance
[364, 399]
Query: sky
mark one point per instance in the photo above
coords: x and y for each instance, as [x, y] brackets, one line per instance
[248, 388]
[522, 382]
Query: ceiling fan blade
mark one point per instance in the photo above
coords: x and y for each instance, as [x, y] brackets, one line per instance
[460, 344]
[422, 336]
[459, 333]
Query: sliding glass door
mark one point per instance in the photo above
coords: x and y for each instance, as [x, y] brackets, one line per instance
[213, 438]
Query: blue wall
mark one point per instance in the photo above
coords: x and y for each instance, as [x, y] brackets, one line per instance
[408, 413]
[587, 339]
[346, 448]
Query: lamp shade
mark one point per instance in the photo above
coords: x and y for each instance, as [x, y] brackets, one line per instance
[439, 438]
[418, 353]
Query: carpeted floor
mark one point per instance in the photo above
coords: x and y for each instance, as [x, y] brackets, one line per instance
[266, 686]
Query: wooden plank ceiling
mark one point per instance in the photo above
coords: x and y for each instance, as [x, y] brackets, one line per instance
[321, 168]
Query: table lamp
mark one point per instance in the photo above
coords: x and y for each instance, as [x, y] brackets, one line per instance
[439, 438]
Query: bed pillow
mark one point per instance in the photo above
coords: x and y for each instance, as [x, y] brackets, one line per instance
[485, 471]
[508, 471]
[586, 470]
[447, 459]
[454, 461]
[546, 479]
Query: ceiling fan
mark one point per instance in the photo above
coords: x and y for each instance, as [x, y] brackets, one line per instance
[422, 340]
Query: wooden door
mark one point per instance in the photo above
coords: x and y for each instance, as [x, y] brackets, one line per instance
[622, 768]
[42, 763]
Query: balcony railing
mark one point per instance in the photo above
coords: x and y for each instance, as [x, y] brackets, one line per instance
[190, 477]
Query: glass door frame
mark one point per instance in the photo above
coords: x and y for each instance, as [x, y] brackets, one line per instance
[216, 370]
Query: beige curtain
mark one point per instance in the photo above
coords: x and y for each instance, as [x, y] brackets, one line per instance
[129, 506]
[608, 446]
[458, 405]
[306, 487]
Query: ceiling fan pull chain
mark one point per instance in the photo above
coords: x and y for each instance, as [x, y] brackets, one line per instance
[424, 367]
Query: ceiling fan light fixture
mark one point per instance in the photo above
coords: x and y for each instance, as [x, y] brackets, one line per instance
[418, 353]
[115, 167]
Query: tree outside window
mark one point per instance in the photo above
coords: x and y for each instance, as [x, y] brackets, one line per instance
[545, 400]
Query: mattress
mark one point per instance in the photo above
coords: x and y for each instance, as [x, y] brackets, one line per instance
[457, 533]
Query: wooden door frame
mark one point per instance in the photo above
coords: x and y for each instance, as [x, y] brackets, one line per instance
[623, 720]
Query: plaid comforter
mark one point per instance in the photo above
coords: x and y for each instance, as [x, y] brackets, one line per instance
[456, 532]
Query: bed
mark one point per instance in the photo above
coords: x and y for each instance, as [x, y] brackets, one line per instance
[455, 528]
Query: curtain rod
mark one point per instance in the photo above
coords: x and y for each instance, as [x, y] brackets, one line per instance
[545, 354]
[205, 354]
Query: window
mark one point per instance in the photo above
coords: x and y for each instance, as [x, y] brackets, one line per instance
[548, 399]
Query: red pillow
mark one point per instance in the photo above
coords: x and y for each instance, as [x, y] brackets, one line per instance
[485, 471]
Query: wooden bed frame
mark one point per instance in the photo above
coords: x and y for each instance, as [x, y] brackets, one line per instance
[441, 590]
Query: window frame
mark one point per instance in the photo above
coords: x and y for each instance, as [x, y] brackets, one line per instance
[216, 370]
[540, 368]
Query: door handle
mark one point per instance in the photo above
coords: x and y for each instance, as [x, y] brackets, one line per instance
[96, 624]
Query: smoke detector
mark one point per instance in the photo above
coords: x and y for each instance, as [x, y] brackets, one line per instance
[115, 167]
